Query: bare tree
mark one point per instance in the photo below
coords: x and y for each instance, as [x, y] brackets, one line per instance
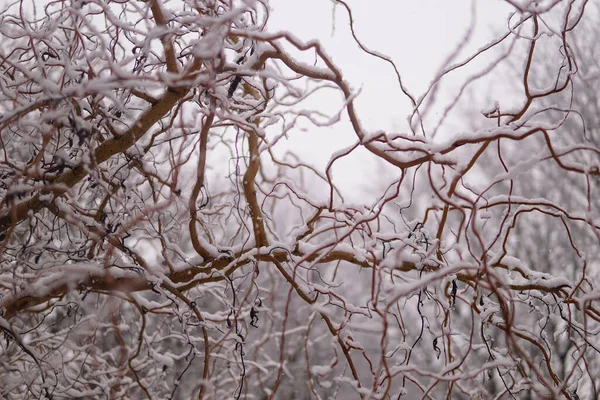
[158, 240]
[569, 113]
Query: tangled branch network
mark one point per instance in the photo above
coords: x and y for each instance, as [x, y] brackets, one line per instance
[159, 238]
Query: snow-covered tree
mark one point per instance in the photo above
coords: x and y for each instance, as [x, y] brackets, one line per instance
[160, 238]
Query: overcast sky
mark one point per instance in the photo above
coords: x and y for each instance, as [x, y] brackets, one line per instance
[419, 36]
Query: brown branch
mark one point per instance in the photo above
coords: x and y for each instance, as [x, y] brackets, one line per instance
[165, 39]
[258, 225]
[200, 171]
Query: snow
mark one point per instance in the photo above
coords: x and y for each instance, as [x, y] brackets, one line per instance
[518, 169]
[210, 46]
[164, 359]
[321, 370]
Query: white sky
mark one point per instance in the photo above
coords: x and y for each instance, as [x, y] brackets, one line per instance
[418, 35]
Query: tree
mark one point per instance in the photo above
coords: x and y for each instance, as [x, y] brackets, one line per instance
[158, 240]
[570, 117]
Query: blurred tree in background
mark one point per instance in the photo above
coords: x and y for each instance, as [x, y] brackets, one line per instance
[567, 74]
